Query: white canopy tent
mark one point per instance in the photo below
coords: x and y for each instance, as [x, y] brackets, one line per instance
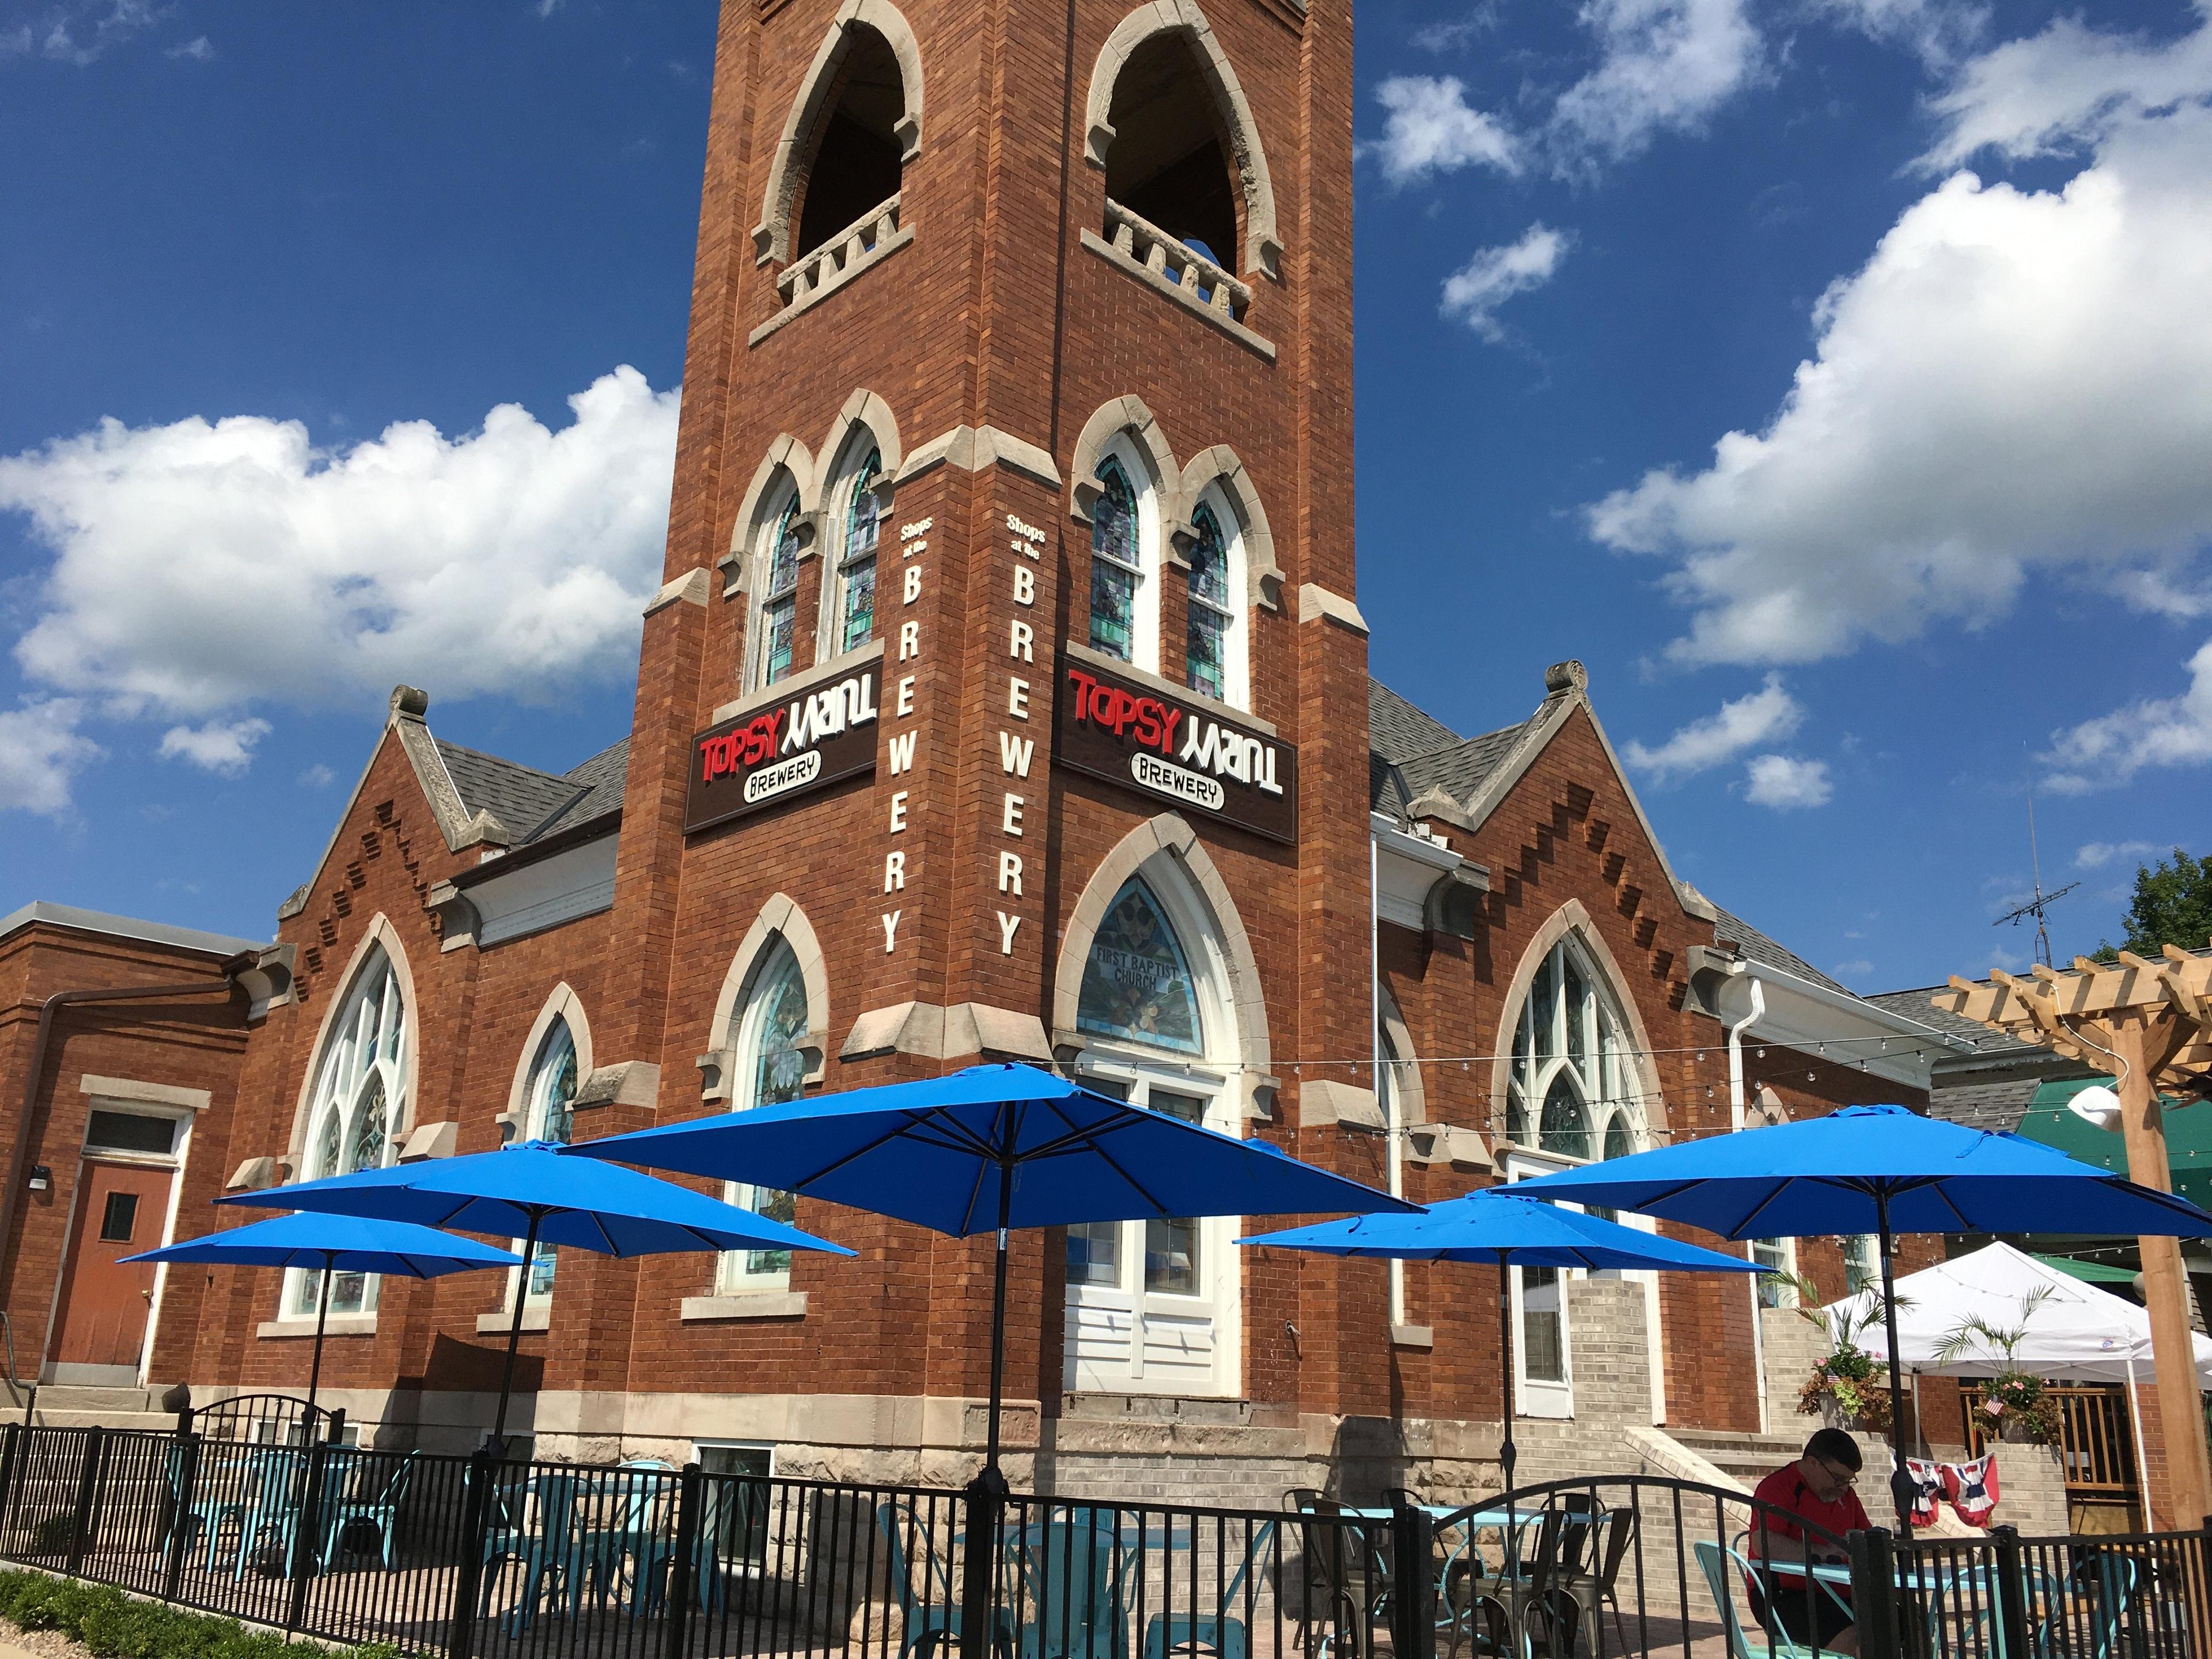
[2075, 1333]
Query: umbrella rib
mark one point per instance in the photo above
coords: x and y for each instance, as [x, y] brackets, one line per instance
[857, 1153]
[1113, 1164]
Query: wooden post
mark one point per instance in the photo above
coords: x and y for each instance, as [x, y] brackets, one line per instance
[2165, 1286]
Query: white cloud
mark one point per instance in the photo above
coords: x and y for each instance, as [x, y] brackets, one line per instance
[2016, 380]
[318, 776]
[225, 747]
[41, 751]
[1452, 33]
[2099, 853]
[1665, 65]
[79, 32]
[1432, 129]
[1473, 294]
[1766, 715]
[203, 566]
[1782, 782]
[1851, 970]
[1937, 31]
[2151, 732]
[2068, 86]
[198, 50]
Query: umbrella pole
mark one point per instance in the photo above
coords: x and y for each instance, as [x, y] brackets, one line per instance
[1901, 1489]
[992, 1477]
[315, 1371]
[1505, 1452]
[514, 1336]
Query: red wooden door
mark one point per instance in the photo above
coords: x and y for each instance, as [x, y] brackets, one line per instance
[119, 1212]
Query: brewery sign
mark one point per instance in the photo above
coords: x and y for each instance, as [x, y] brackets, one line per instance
[775, 753]
[1146, 739]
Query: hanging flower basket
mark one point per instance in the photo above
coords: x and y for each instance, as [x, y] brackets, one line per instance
[1844, 1393]
[2017, 1407]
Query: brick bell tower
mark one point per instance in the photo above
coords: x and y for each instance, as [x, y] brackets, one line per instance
[1013, 515]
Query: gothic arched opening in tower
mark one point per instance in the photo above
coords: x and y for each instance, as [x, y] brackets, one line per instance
[856, 161]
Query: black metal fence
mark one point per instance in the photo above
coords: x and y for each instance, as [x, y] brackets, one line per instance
[463, 1557]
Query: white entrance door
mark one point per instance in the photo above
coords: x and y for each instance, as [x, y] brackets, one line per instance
[1543, 1354]
[1150, 1304]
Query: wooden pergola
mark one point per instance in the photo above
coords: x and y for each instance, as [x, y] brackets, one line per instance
[2148, 1026]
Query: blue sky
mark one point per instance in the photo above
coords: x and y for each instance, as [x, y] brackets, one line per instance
[1833, 377]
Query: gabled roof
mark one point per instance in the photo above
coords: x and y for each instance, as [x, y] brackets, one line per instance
[1412, 753]
[1735, 930]
[599, 782]
[100, 921]
[1916, 1004]
[520, 797]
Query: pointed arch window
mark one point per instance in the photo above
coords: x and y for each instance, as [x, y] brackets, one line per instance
[856, 566]
[549, 1099]
[360, 1099]
[1572, 1090]
[1136, 984]
[1214, 646]
[769, 1034]
[776, 618]
[1117, 568]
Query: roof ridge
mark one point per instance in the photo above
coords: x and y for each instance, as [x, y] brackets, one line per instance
[504, 760]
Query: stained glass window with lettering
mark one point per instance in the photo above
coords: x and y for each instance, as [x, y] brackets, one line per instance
[1117, 563]
[1136, 985]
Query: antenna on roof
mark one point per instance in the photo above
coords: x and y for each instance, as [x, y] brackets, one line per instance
[2042, 901]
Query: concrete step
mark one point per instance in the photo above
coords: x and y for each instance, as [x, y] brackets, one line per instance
[80, 1397]
[158, 1421]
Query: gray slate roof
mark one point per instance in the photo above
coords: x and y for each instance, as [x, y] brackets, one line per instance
[1915, 1005]
[1413, 752]
[1759, 948]
[530, 803]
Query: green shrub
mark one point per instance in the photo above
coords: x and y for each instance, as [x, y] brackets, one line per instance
[114, 1625]
[53, 1535]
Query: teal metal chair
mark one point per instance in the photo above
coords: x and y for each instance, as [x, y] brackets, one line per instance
[921, 1579]
[346, 1506]
[1721, 1566]
[1072, 1570]
[1220, 1634]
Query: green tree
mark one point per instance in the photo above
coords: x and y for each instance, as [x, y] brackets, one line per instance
[2173, 905]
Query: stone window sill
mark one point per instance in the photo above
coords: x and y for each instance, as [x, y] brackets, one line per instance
[1189, 301]
[533, 1319]
[756, 1304]
[337, 1325]
[1412, 1336]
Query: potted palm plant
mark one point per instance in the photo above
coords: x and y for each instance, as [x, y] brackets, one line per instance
[1848, 1388]
[2015, 1405]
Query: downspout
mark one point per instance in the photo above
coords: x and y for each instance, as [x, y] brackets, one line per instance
[1737, 1108]
[49, 1011]
[1395, 1177]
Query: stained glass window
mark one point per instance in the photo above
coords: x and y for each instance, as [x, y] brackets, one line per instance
[1136, 985]
[551, 1096]
[778, 616]
[1117, 563]
[863, 523]
[1211, 617]
[771, 1030]
[359, 1097]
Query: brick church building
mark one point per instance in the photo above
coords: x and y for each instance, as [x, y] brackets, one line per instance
[1007, 696]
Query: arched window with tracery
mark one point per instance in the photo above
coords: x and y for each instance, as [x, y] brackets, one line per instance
[549, 1099]
[1215, 649]
[360, 1097]
[1573, 1089]
[856, 605]
[768, 1033]
[775, 607]
[1117, 562]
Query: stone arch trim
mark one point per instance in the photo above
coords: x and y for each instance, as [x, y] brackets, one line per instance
[1573, 917]
[785, 454]
[1263, 247]
[380, 931]
[1127, 415]
[562, 1003]
[1263, 576]
[1406, 1071]
[864, 408]
[772, 236]
[1170, 836]
[780, 917]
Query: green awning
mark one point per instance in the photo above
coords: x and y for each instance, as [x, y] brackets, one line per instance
[2188, 1137]
[2096, 1272]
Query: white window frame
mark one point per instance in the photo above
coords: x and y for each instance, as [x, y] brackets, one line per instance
[1236, 640]
[341, 1091]
[1145, 608]
[733, 1275]
[837, 576]
[781, 497]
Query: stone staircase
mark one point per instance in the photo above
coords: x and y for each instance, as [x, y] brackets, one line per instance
[1743, 1457]
[71, 1406]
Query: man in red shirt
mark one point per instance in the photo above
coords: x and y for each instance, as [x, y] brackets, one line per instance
[1816, 1489]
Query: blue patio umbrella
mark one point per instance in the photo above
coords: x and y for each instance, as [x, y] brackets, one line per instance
[1880, 1169]
[1501, 1225]
[527, 1191]
[990, 1148]
[335, 1243]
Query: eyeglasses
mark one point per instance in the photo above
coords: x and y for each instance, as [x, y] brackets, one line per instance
[1842, 1477]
